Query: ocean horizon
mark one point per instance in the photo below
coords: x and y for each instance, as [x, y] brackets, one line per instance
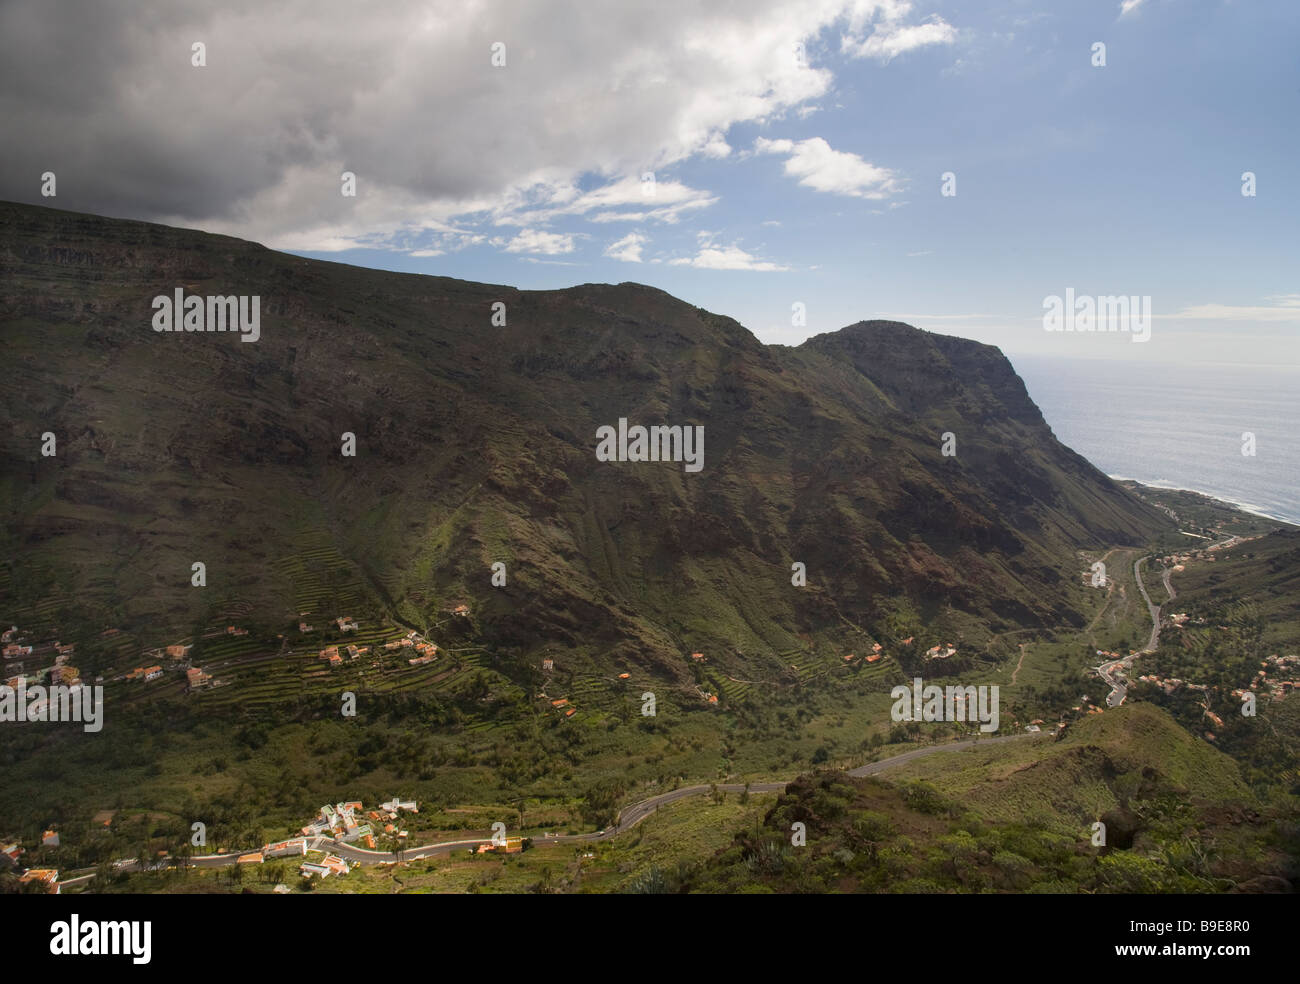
[1179, 426]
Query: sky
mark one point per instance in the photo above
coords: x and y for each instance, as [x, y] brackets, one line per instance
[783, 163]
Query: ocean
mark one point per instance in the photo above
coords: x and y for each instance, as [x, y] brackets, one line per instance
[1179, 426]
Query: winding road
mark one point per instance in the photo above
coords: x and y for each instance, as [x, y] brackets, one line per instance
[628, 818]
[1109, 671]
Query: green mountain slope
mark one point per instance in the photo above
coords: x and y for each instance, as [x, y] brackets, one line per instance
[1177, 819]
[475, 444]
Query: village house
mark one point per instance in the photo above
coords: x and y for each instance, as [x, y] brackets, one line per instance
[512, 845]
[286, 848]
[331, 865]
[231, 630]
[195, 678]
[461, 610]
[50, 839]
[548, 665]
[178, 652]
[394, 804]
[48, 876]
[145, 673]
[303, 627]
[346, 624]
[11, 852]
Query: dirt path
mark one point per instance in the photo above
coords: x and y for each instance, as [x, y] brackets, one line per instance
[1016, 672]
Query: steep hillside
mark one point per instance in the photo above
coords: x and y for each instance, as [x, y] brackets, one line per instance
[475, 444]
[1177, 819]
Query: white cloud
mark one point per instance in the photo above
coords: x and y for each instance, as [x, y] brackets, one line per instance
[1128, 6]
[717, 147]
[406, 97]
[816, 165]
[713, 257]
[538, 241]
[1287, 309]
[889, 36]
[627, 249]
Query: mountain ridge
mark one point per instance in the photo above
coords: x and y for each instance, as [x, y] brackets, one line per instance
[475, 445]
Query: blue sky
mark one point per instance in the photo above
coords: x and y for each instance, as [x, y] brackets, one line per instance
[797, 148]
[1117, 179]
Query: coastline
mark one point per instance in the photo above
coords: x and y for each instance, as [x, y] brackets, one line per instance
[1246, 507]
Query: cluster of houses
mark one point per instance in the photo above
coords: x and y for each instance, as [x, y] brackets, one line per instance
[334, 657]
[1276, 688]
[941, 652]
[875, 656]
[13, 649]
[347, 822]
[427, 650]
[1170, 684]
[61, 673]
[49, 877]
[563, 706]
[413, 640]
[346, 623]
[341, 822]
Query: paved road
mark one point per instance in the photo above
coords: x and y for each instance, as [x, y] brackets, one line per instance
[1110, 671]
[1154, 610]
[628, 818]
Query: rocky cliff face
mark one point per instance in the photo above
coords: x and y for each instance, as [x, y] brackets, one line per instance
[475, 443]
